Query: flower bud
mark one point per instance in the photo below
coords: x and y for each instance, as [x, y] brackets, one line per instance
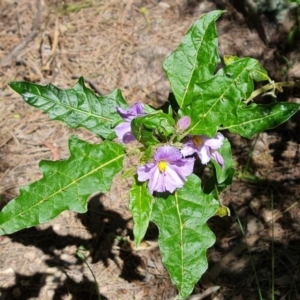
[184, 122]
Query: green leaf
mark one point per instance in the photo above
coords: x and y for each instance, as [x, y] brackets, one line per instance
[212, 187]
[78, 106]
[183, 234]
[225, 151]
[297, 1]
[259, 73]
[150, 128]
[66, 185]
[195, 59]
[149, 109]
[256, 118]
[141, 207]
[219, 98]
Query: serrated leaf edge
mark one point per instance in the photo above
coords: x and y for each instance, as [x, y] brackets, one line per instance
[254, 120]
[217, 100]
[60, 190]
[80, 83]
[186, 89]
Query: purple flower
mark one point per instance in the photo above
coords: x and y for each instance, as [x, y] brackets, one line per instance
[168, 172]
[123, 130]
[205, 147]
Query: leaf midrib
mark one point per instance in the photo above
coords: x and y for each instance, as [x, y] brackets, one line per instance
[62, 189]
[252, 120]
[194, 65]
[217, 100]
[181, 238]
[69, 107]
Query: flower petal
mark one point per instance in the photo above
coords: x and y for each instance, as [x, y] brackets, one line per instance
[189, 148]
[146, 172]
[172, 180]
[204, 155]
[156, 182]
[216, 142]
[121, 129]
[128, 137]
[124, 114]
[217, 157]
[137, 109]
[132, 112]
[167, 153]
[184, 167]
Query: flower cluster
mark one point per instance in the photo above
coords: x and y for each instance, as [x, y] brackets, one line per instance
[170, 167]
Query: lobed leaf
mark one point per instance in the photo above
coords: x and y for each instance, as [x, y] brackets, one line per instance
[141, 207]
[183, 234]
[78, 106]
[256, 118]
[258, 73]
[195, 59]
[66, 185]
[219, 98]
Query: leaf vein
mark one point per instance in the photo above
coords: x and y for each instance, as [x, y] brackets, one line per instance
[69, 185]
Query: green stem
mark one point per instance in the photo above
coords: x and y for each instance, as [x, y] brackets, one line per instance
[272, 86]
[182, 136]
[83, 258]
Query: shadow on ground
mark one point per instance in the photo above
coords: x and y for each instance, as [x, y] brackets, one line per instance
[105, 226]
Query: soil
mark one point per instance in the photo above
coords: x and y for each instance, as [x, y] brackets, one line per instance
[123, 44]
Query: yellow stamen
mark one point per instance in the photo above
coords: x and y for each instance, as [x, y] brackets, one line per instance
[197, 141]
[162, 166]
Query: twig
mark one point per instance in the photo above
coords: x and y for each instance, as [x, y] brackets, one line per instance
[53, 150]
